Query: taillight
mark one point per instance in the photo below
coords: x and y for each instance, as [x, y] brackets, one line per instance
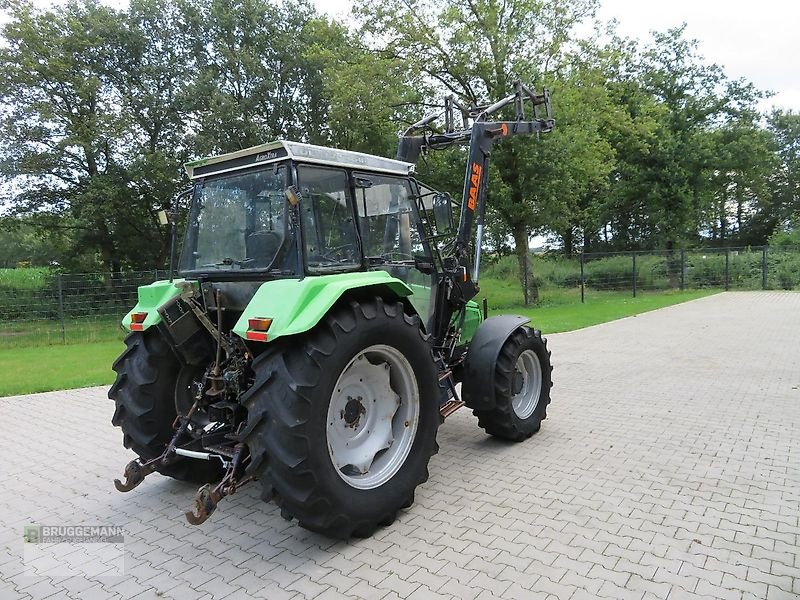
[137, 320]
[257, 329]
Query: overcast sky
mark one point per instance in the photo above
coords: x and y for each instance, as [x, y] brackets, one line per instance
[758, 41]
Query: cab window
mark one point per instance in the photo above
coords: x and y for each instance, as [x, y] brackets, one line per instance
[329, 229]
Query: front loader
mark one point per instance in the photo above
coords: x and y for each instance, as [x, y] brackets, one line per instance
[320, 325]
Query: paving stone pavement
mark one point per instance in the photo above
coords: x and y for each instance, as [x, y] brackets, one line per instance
[669, 467]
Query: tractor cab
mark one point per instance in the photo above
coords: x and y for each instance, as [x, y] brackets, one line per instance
[290, 210]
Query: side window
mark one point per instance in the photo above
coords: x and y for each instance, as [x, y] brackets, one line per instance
[389, 228]
[328, 228]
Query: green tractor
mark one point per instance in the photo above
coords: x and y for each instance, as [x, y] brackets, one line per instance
[319, 327]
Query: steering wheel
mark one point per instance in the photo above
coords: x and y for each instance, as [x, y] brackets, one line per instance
[335, 254]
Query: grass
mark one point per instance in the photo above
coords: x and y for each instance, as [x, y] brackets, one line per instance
[44, 332]
[42, 368]
[28, 278]
[600, 307]
[47, 368]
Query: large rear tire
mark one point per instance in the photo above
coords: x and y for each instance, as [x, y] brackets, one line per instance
[144, 393]
[522, 382]
[342, 422]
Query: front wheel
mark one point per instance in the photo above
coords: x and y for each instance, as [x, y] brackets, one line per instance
[342, 423]
[522, 382]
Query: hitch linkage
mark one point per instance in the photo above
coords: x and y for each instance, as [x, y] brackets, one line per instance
[207, 498]
[136, 470]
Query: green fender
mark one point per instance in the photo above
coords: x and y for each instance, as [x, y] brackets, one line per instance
[151, 297]
[472, 320]
[297, 305]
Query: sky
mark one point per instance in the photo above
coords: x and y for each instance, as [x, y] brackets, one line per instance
[757, 41]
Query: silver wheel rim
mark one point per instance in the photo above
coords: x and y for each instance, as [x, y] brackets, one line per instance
[528, 368]
[372, 417]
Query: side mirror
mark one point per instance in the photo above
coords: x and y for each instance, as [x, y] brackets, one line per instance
[443, 212]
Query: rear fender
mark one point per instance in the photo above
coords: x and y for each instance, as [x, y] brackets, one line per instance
[477, 390]
[297, 305]
[150, 299]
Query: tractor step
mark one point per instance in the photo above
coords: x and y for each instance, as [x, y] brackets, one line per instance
[449, 407]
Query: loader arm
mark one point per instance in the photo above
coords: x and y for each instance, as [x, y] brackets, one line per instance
[476, 129]
[481, 135]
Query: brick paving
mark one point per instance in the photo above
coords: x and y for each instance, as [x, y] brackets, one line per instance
[669, 468]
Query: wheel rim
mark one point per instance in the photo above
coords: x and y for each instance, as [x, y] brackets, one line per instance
[528, 384]
[372, 417]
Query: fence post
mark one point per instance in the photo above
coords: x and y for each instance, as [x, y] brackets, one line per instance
[683, 269]
[727, 269]
[634, 273]
[61, 307]
[582, 292]
[764, 252]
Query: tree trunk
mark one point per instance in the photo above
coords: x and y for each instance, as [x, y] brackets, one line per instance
[739, 209]
[521, 248]
[569, 241]
[106, 252]
[673, 265]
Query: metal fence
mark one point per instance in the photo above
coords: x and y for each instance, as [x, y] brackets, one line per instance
[746, 268]
[39, 307]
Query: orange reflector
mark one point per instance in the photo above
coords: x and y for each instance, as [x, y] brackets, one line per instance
[256, 336]
[138, 317]
[259, 324]
[137, 327]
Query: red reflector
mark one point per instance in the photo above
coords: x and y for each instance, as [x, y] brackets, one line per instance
[137, 327]
[256, 336]
[138, 317]
[259, 324]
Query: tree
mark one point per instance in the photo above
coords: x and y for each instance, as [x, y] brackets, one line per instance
[475, 49]
[254, 82]
[675, 175]
[367, 96]
[785, 180]
[62, 126]
[744, 161]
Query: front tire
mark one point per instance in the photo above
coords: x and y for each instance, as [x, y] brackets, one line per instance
[522, 382]
[144, 392]
[342, 422]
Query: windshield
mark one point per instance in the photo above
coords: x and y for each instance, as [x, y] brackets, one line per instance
[237, 222]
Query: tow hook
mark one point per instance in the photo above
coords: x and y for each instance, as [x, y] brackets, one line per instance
[207, 498]
[136, 470]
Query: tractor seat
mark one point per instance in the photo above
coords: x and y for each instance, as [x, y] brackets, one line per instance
[262, 246]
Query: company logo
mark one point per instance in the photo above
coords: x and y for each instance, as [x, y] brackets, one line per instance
[73, 534]
[475, 183]
[266, 156]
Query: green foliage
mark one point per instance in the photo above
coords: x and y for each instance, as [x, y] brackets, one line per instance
[31, 278]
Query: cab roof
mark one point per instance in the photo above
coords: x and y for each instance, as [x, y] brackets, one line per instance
[305, 153]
